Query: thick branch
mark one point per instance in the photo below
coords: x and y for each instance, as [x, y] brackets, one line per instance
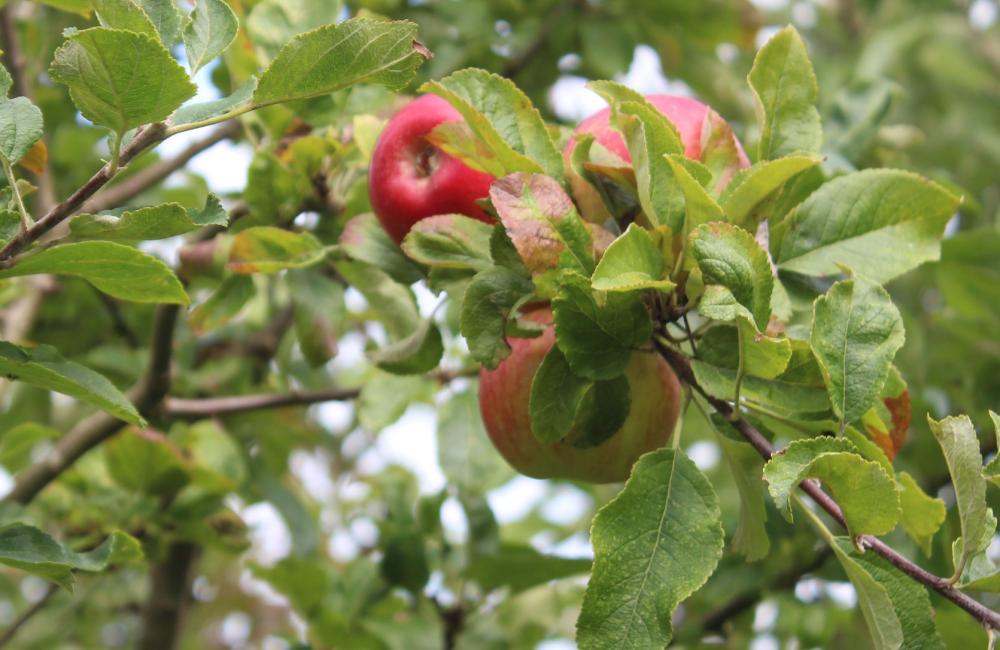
[176, 407]
[977, 610]
[121, 193]
[170, 586]
[144, 139]
[146, 395]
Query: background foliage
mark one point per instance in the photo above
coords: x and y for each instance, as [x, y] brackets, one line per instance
[314, 524]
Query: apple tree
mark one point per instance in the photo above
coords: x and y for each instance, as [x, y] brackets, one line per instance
[296, 294]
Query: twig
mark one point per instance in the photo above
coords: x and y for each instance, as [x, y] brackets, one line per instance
[27, 615]
[977, 610]
[13, 60]
[147, 137]
[170, 586]
[121, 193]
[146, 395]
[176, 407]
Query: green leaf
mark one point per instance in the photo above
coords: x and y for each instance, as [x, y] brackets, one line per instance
[450, 241]
[147, 462]
[791, 392]
[209, 32]
[265, 249]
[650, 136]
[488, 304]
[874, 600]
[731, 260]
[216, 107]
[603, 412]
[556, 397]
[153, 222]
[865, 492]
[699, 207]
[992, 469]
[655, 544]
[418, 353]
[520, 567]
[750, 188]
[319, 314]
[117, 270]
[857, 331]
[223, 305]
[542, 223]
[29, 549]
[879, 222]
[333, 57]
[125, 15]
[958, 441]
[20, 127]
[598, 339]
[750, 538]
[763, 356]
[17, 443]
[465, 453]
[275, 190]
[391, 303]
[166, 17]
[109, 73]
[921, 515]
[503, 118]
[785, 88]
[365, 240]
[633, 262]
[272, 23]
[44, 367]
[385, 397]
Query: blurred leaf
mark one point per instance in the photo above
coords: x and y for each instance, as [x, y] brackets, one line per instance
[385, 397]
[146, 461]
[750, 538]
[874, 601]
[865, 492]
[42, 366]
[17, 443]
[365, 240]
[921, 516]
[335, 56]
[784, 86]
[117, 270]
[108, 72]
[416, 354]
[879, 222]
[265, 249]
[153, 222]
[320, 314]
[503, 118]
[210, 30]
[637, 582]
[273, 23]
[166, 17]
[465, 453]
[522, 567]
[29, 549]
[223, 305]
[391, 303]
[857, 330]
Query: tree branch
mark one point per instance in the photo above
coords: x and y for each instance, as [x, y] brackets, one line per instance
[121, 193]
[27, 615]
[977, 610]
[149, 136]
[92, 431]
[170, 586]
[176, 407]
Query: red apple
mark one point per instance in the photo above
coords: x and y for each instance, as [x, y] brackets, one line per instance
[410, 179]
[688, 115]
[503, 401]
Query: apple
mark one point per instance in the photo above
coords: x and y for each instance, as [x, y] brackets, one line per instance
[688, 115]
[410, 179]
[503, 402]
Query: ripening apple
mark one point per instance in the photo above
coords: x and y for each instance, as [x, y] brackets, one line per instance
[688, 115]
[503, 401]
[410, 178]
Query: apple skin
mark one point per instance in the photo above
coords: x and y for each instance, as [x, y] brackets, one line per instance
[410, 179]
[504, 394]
[687, 114]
